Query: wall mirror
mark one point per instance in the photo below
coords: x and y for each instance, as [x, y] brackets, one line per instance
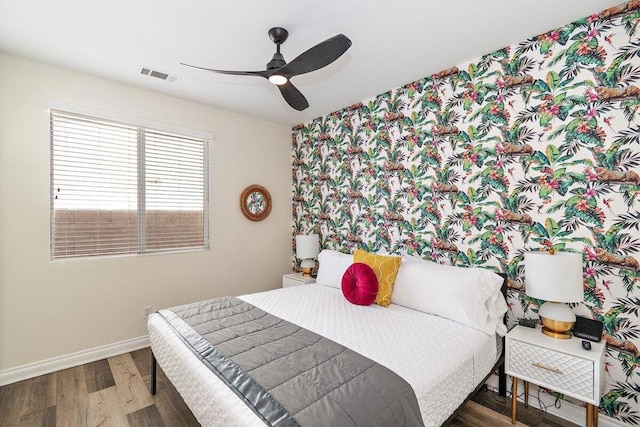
[255, 202]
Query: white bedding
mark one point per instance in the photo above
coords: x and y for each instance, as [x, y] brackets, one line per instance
[442, 360]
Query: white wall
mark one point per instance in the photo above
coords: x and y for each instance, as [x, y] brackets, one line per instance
[50, 309]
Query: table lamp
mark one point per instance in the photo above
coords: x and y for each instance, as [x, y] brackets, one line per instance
[555, 277]
[307, 250]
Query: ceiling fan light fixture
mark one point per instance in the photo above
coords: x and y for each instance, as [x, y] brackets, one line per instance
[278, 79]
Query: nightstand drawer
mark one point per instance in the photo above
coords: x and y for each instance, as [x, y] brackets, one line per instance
[556, 370]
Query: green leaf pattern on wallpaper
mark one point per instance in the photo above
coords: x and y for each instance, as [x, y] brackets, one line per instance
[534, 146]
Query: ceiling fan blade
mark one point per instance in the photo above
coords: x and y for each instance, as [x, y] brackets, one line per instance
[293, 96]
[319, 56]
[233, 73]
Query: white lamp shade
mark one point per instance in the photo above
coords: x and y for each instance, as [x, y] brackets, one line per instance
[555, 277]
[307, 246]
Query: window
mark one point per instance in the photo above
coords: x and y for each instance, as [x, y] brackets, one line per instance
[118, 188]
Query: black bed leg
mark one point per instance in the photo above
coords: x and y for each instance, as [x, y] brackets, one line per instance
[154, 368]
[502, 381]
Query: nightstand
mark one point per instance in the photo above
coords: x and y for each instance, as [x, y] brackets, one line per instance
[560, 365]
[294, 279]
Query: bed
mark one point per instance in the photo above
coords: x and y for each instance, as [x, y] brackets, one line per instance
[443, 361]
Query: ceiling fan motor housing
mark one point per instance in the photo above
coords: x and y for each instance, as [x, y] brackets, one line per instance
[276, 62]
[278, 35]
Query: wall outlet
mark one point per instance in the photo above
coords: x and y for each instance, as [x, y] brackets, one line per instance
[147, 311]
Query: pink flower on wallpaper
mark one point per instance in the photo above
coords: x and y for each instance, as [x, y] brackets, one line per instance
[589, 272]
[590, 193]
[593, 17]
[591, 175]
[589, 254]
[591, 95]
[583, 49]
[591, 113]
[592, 34]
[551, 36]
[582, 205]
[583, 127]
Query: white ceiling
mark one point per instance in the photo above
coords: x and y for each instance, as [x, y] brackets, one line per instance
[394, 42]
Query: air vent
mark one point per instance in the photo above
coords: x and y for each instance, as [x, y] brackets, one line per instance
[158, 74]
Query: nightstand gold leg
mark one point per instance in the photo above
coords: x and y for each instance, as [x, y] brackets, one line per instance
[526, 394]
[514, 399]
[590, 415]
[594, 415]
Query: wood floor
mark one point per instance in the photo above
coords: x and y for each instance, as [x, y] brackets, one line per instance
[115, 392]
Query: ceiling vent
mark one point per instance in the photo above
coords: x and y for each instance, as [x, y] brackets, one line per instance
[157, 74]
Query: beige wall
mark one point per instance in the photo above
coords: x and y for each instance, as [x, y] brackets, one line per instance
[50, 309]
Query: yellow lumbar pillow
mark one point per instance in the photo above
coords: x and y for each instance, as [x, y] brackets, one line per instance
[386, 268]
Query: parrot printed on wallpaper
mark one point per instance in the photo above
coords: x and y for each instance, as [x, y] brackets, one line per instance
[531, 147]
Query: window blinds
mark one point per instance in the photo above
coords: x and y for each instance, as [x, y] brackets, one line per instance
[118, 188]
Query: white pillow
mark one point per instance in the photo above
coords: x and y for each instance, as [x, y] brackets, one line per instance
[333, 264]
[470, 296]
[413, 258]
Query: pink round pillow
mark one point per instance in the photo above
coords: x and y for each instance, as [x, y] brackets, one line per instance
[360, 284]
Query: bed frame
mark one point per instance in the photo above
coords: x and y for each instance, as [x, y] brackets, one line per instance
[502, 376]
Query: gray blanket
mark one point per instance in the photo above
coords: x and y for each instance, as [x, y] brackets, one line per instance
[288, 375]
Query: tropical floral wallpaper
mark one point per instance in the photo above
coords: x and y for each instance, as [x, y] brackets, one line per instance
[531, 147]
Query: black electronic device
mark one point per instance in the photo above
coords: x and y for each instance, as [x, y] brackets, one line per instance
[588, 329]
[586, 345]
[529, 323]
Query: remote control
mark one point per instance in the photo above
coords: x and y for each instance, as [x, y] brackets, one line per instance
[529, 323]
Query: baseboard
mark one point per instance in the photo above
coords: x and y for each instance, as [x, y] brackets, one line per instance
[568, 411]
[47, 366]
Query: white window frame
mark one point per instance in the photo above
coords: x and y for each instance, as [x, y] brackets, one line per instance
[141, 125]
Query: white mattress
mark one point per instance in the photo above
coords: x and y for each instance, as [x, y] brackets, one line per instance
[442, 360]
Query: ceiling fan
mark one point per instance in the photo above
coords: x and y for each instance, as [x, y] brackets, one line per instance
[279, 72]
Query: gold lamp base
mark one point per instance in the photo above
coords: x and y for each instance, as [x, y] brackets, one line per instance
[556, 329]
[306, 271]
